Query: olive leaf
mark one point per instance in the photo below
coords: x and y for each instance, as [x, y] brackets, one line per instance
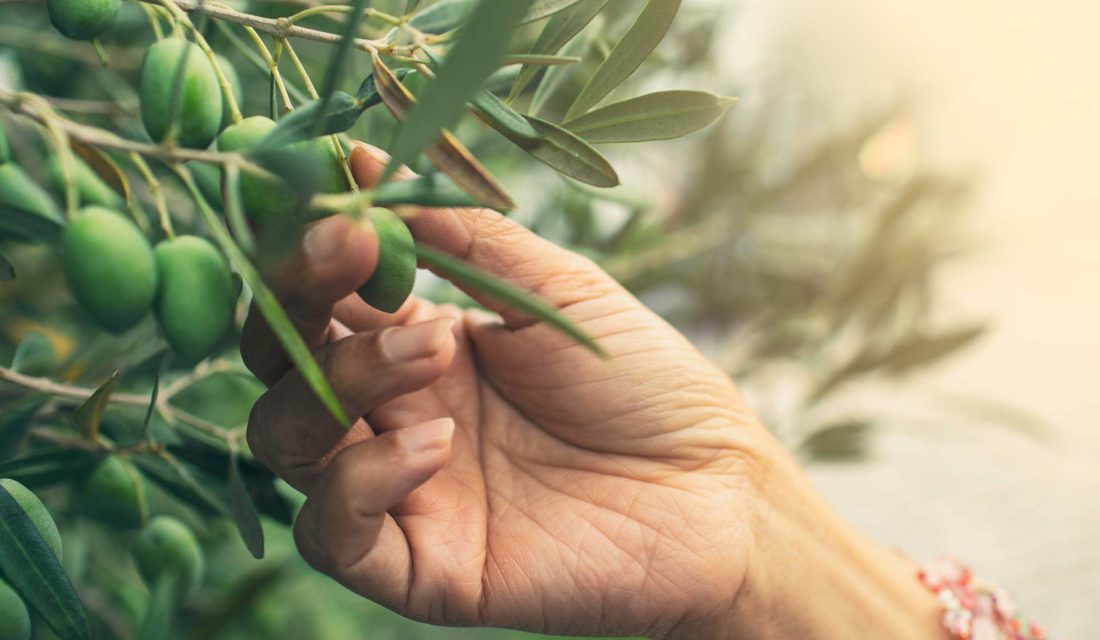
[7, 267]
[479, 46]
[547, 142]
[175, 478]
[47, 465]
[235, 215]
[341, 113]
[562, 28]
[158, 621]
[442, 16]
[555, 77]
[243, 511]
[16, 419]
[517, 299]
[447, 154]
[629, 54]
[105, 167]
[336, 64]
[269, 306]
[89, 414]
[26, 211]
[538, 60]
[657, 116]
[29, 565]
[34, 355]
[434, 190]
[545, 8]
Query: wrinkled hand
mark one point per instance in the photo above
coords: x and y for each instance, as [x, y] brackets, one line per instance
[502, 475]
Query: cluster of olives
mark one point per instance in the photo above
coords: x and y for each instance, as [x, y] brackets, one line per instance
[165, 548]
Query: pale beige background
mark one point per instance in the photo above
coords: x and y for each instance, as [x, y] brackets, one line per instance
[1007, 91]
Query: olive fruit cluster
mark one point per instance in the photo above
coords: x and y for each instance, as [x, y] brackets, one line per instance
[15, 619]
[117, 277]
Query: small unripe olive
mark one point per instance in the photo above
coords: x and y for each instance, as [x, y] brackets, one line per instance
[167, 548]
[197, 297]
[18, 191]
[199, 114]
[393, 279]
[82, 19]
[267, 201]
[90, 187]
[15, 620]
[110, 269]
[114, 494]
[37, 512]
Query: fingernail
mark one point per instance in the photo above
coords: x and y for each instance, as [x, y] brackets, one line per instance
[428, 437]
[325, 240]
[402, 344]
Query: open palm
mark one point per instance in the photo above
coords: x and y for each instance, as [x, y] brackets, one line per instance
[503, 475]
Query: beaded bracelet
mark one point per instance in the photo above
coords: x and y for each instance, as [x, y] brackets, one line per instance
[973, 608]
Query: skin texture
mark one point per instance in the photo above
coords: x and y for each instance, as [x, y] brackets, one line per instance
[197, 297]
[393, 279]
[200, 111]
[37, 512]
[114, 494]
[504, 476]
[109, 267]
[82, 19]
[167, 546]
[15, 620]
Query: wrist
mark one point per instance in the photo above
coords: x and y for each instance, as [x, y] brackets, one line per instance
[811, 575]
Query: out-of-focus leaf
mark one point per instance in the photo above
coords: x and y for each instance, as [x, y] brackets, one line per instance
[307, 121]
[16, 419]
[657, 116]
[269, 306]
[30, 214]
[243, 511]
[555, 77]
[159, 616]
[510, 295]
[442, 16]
[478, 48]
[241, 597]
[629, 54]
[89, 414]
[180, 482]
[235, 215]
[257, 479]
[840, 441]
[448, 154]
[35, 572]
[34, 355]
[7, 268]
[435, 190]
[545, 8]
[152, 408]
[537, 60]
[47, 459]
[104, 166]
[562, 28]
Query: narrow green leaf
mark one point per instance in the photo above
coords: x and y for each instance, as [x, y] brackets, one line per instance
[442, 16]
[46, 458]
[545, 8]
[538, 60]
[555, 77]
[7, 267]
[337, 63]
[509, 122]
[657, 116]
[519, 300]
[562, 28]
[151, 409]
[35, 572]
[269, 306]
[89, 414]
[435, 190]
[480, 44]
[629, 54]
[243, 511]
[34, 355]
[158, 621]
[27, 212]
[234, 213]
[175, 478]
[368, 94]
[342, 111]
[16, 419]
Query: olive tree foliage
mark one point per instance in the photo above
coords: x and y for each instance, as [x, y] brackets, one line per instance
[156, 155]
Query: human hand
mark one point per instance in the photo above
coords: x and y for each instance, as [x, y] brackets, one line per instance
[502, 475]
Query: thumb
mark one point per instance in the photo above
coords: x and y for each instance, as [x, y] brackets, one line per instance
[500, 247]
[344, 530]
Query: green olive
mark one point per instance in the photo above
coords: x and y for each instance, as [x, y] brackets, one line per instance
[82, 19]
[37, 512]
[114, 494]
[18, 191]
[15, 620]
[110, 268]
[197, 297]
[268, 201]
[91, 188]
[199, 114]
[392, 282]
[166, 547]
